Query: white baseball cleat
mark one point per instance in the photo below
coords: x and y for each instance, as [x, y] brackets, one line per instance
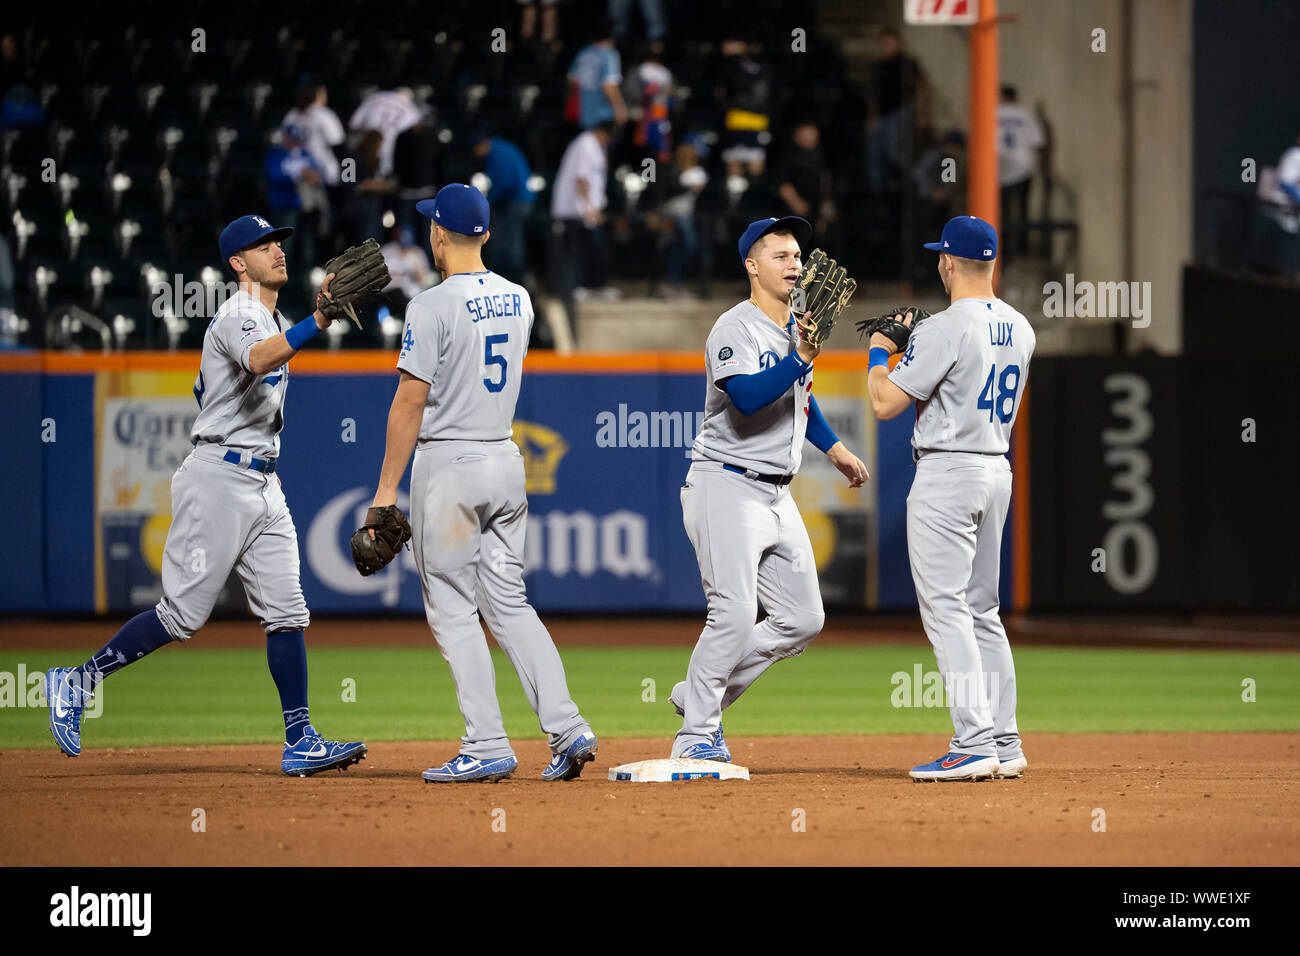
[955, 766]
[1015, 767]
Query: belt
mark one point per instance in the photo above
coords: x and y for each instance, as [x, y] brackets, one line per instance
[919, 453]
[755, 476]
[264, 465]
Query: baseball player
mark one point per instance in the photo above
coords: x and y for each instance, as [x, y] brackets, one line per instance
[228, 510]
[966, 368]
[740, 517]
[461, 361]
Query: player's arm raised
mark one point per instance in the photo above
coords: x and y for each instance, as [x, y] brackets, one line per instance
[887, 399]
[356, 275]
[404, 417]
[271, 353]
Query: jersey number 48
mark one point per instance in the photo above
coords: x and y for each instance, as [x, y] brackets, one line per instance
[1004, 403]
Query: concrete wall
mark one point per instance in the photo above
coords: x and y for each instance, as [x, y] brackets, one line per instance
[1047, 53]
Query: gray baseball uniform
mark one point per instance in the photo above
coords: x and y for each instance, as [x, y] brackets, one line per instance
[966, 367]
[467, 337]
[232, 513]
[747, 533]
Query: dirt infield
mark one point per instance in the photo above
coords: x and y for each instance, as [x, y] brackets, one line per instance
[1205, 799]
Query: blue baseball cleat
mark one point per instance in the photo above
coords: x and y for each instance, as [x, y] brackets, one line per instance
[706, 752]
[67, 699]
[568, 765]
[313, 753]
[463, 768]
[719, 740]
[955, 766]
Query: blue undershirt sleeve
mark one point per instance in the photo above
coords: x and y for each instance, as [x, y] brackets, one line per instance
[749, 393]
[819, 430]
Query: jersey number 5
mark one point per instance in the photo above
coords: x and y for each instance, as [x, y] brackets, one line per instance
[1004, 403]
[491, 359]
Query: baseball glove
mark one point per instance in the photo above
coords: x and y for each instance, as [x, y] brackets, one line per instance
[359, 273]
[891, 326]
[392, 530]
[823, 291]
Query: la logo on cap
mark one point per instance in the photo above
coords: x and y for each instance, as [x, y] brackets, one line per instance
[437, 214]
[262, 222]
[478, 228]
[945, 243]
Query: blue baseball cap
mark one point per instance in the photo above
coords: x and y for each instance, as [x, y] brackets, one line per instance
[761, 227]
[457, 207]
[248, 231]
[967, 237]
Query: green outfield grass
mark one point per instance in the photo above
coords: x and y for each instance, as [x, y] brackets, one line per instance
[192, 695]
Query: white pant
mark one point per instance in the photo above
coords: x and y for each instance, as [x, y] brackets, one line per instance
[224, 517]
[955, 514]
[468, 518]
[752, 547]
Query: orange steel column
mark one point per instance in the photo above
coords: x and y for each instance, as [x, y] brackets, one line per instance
[982, 186]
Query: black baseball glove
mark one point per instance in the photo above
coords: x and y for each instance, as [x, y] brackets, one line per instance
[823, 291]
[392, 530]
[891, 325]
[359, 274]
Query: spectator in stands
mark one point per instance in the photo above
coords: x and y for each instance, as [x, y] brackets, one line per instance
[652, 11]
[939, 180]
[1279, 240]
[674, 220]
[897, 85]
[409, 268]
[594, 80]
[321, 127]
[1020, 138]
[651, 88]
[511, 201]
[295, 193]
[528, 22]
[577, 212]
[391, 112]
[13, 66]
[21, 108]
[363, 210]
[417, 167]
[803, 178]
[744, 92]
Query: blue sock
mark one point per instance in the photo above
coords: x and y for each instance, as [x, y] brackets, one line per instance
[139, 636]
[286, 654]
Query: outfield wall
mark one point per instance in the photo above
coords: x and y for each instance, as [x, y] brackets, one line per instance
[92, 440]
[1181, 470]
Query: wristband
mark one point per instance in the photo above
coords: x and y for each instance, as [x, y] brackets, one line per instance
[878, 356]
[302, 333]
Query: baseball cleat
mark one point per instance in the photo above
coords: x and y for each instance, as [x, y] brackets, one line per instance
[568, 765]
[719, 740]
[706, 752]
[1015, 767]
[313, 753]
[463, 768]
[955, 766]
[67, 699]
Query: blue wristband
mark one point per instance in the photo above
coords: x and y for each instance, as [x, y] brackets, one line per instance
[878, 356]
[302, 333]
